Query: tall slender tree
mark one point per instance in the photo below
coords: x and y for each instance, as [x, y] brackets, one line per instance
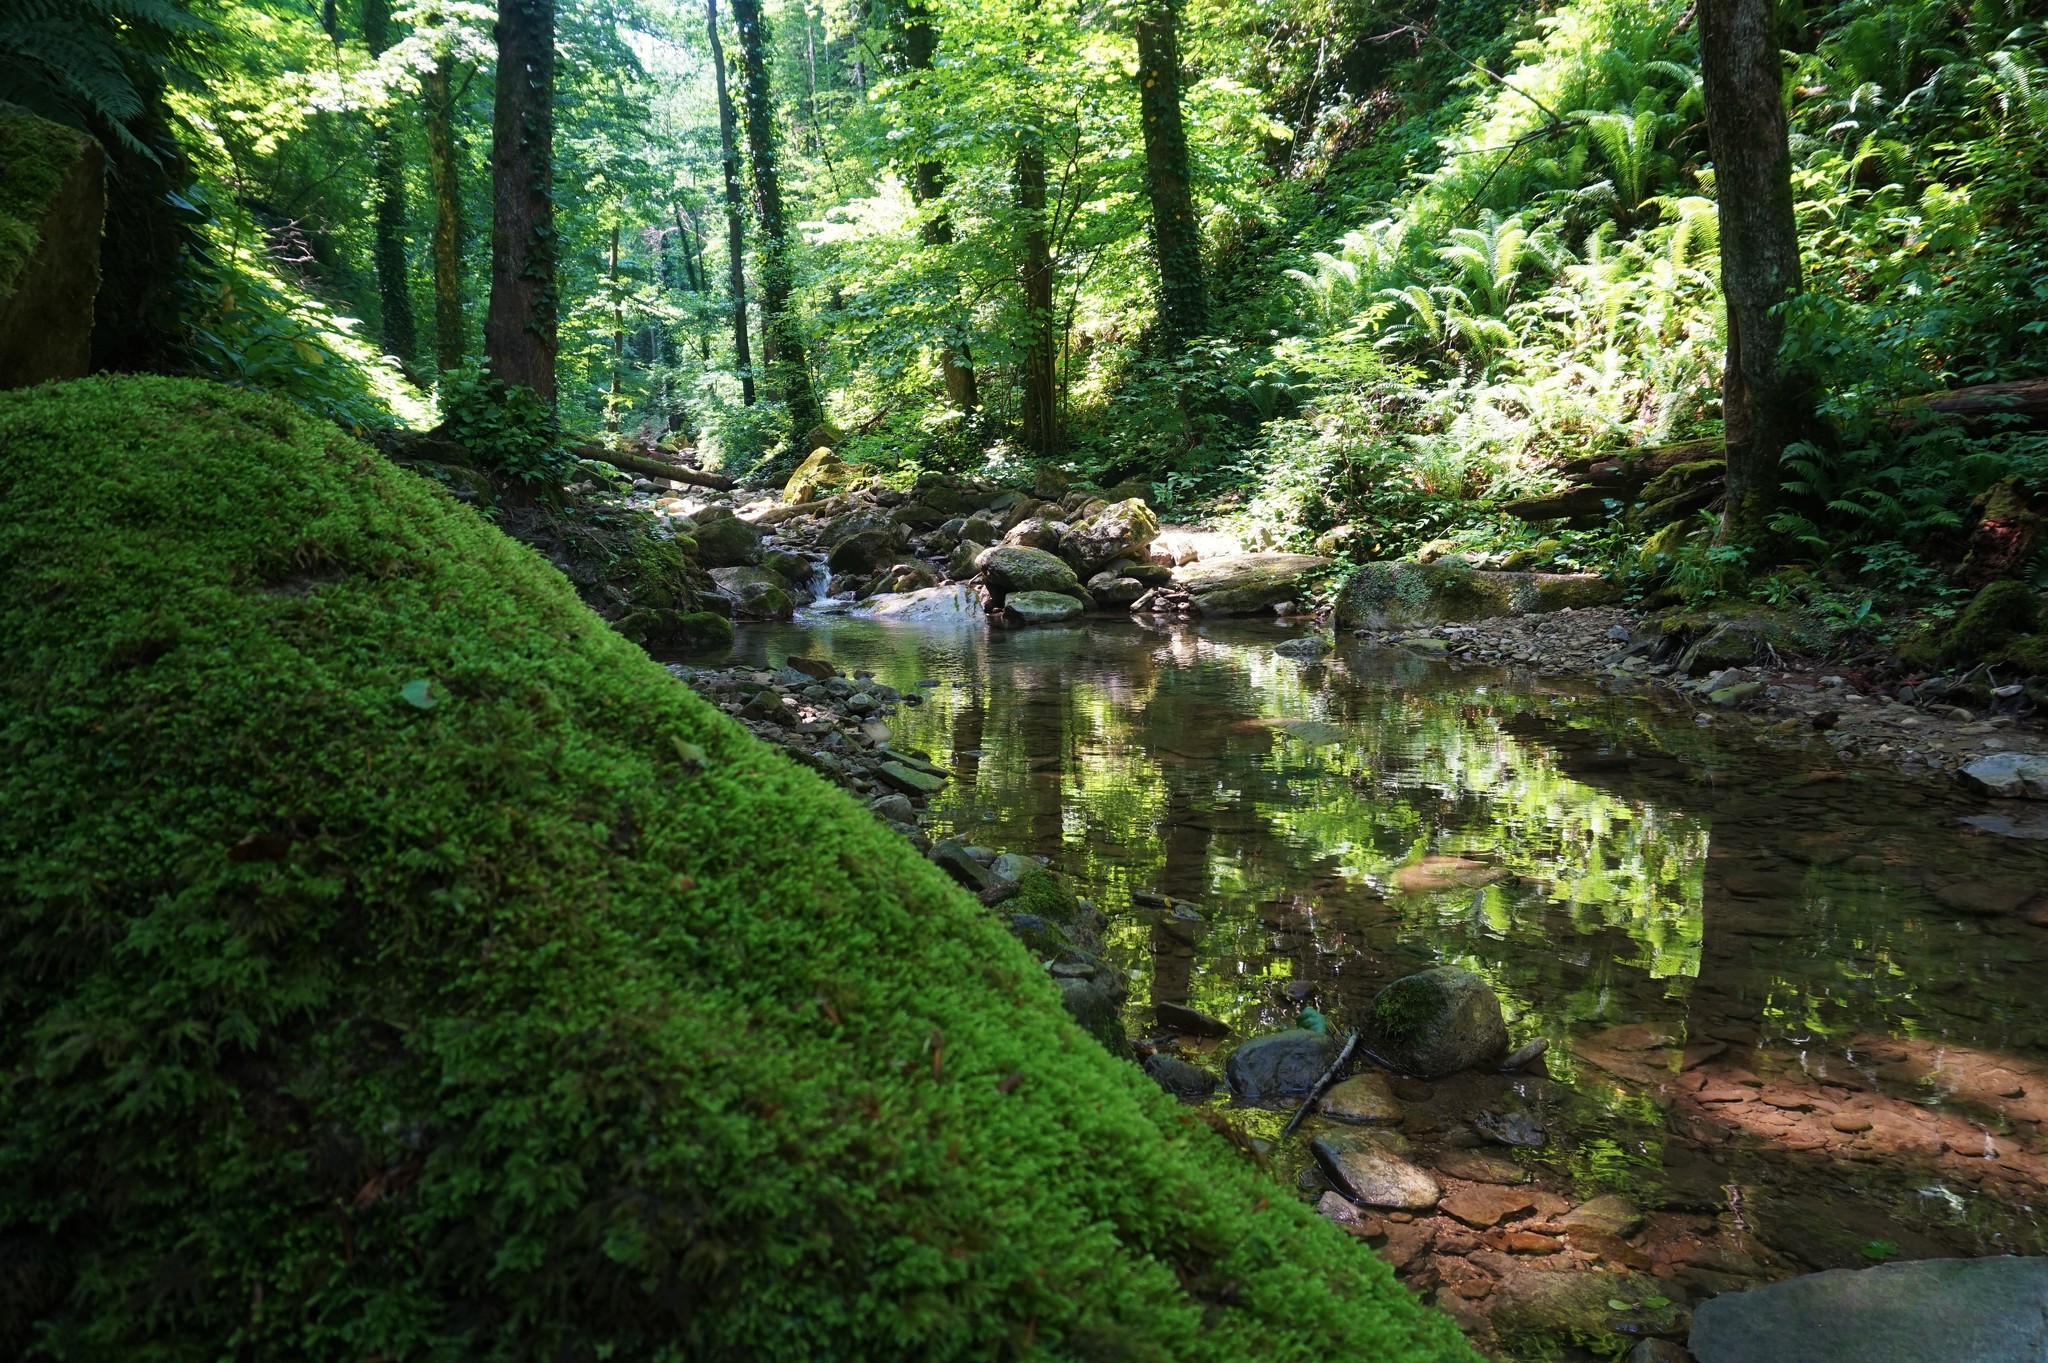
[782, 334]
[735, 211]
[928, 187]
[1040, 398]
[1176, 235]
[1764, 408]
[520, 337]
[439, 94]
[394, 290]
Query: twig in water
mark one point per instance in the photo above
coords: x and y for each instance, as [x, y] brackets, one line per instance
[1316, 1092]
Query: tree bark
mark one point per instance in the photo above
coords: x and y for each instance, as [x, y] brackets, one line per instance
[781, 334]
[438, 86]
[735, 213]
[1040, 405]
[927, 186]
[1763, 407]
[520, 327]
[394, 293]
[1176, 236]
[614, 397]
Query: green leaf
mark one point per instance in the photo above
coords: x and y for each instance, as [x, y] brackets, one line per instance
[1617, 1304]
[419, 694]
[693, 756]
[1879, 1249]
[1656, 1303]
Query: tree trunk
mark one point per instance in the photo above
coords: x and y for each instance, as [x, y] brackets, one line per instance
[735, 213]
[1041, 379]
[394, 294]
[1176, 236]
[439, 88]
[613, 397]
[781, 335]
[928, 185]
[1763, 408]
[520, 327]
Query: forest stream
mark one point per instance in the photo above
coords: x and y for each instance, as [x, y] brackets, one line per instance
[1793, 1019]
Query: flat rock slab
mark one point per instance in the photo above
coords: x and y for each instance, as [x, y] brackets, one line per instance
[1480, 1166]
[1487, 1205]
[1951, 1310]
[1248, 583]
[1363, 1098]
[1373, 1175]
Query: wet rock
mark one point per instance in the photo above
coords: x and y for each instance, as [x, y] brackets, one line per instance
[1122, 530]
[726, 541]
[1005, 570]
[1364, 1099]
[1372, 1175]
[1487, 1205]
[1658, 1351]
[1440, 872]
[1109, 590]
[1248, 583]
[1012, 867]
[1177, 1076]
[1437, 1022]
[909, 780]
[1042, 608]
[1185, 1020]
[1584, 1307]
[895, 808]
[817, 668]
[1305, 649]
[865, 552]
[1279, 1064]
[1039, 934]
[757, 593]
[1511, 1128]
[1954, 1310]
[1335, 1207]
[951, 856]
[1097, 1004]
[1611, 1214]
[1480, 1166]
[1383, 594]
[2007, 775]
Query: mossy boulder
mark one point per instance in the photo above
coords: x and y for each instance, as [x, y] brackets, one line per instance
[1382, 594]
[1715, 640]
[394, 962]
[1997, 615]
[820, 475]
[726, 541]
[1437, 1022]
[52, 203]
[1121, 530]
[1247, 584]
[757, 593]
[1010, 568]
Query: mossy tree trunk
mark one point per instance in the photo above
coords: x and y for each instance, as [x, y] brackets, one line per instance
[735, 211]
[1169, 184]
[438, 91]
[1040, 405]
[928, 186]
[1764, 407]
[520, 337]
[394, 291]
[782, 338]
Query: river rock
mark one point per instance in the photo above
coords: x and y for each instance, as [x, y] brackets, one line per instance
[960, 563]
[726, 541]
[1177, 1076]
[1248, 583]
[1991, 1310]
[1364, 1099]
[1308, 648]
[1372, 1175]
[1006, 569]
[823, 472]
[1611, 1214]
[953, 857]
[1487, 1205]
[1438, 1022]
[1582, 1308]
[1382, 594]
[1111, 590]
[1279, 1064]
[1097, 1005]
[757, 593]
[865, 551]
[1036, 532]
[1185, 1020]
[2007, 775]
[1123, 530]
[1042, 608]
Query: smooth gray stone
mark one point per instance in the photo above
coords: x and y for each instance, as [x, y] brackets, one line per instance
[1922, 1311]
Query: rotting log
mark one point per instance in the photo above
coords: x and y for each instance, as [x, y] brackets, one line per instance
[1983, 407]
[1596, 481]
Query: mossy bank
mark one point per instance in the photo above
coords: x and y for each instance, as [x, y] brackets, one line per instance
[399, 964]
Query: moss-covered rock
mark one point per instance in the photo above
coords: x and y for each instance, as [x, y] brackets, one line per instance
[1247, 584]
[1381, 594]
[397, 963]
[52, 202]
[1995, 617]
[1438, 1022]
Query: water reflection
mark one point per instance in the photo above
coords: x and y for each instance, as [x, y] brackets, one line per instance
[1669, 915]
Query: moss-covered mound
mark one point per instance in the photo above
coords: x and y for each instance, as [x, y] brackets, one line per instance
[394, 963]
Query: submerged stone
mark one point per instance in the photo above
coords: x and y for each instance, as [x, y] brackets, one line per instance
[1371, 1174]
[1438, 1022]
[1991, 1310]
[1279, 1064]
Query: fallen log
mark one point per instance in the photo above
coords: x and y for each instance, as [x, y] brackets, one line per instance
[1597, 480]
[648, 467]
[1982, 407]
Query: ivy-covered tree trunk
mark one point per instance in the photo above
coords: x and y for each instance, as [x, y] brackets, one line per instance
[615, 396]
[735, 212]
[520, 327]
[438, 89]
[782, 335]
[1040, 405]
[394, 291]
[1176, 235]
[1764, 408]
[928, 186]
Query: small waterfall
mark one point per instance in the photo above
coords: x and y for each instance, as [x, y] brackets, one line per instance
[821, 580]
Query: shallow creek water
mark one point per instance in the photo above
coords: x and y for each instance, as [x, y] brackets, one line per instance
[1796, 1012]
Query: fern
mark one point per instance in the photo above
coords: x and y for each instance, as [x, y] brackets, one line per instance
[87, 63]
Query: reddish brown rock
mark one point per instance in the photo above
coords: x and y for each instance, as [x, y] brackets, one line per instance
[1487, 1204]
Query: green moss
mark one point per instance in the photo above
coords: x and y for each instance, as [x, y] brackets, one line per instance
[536, 1011]
[1994, 617]
[35, 157]
[2028, 654]
[1403, 1010]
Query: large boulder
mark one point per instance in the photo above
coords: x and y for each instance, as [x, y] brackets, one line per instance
[1036, 533]
[1005, 569]
[821, 475]
[1382, 594]
[1042, 608]
[52, 201]
[726, 541]
[865, 552]
[1248, 583]
[1279, 1064]
[1992, 1310]
[757, 593]
[1122, 530]
[1371, 1174]
[1437, 1022]
[380, 927]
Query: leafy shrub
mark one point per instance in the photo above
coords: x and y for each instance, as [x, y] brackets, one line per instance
[508, 429]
